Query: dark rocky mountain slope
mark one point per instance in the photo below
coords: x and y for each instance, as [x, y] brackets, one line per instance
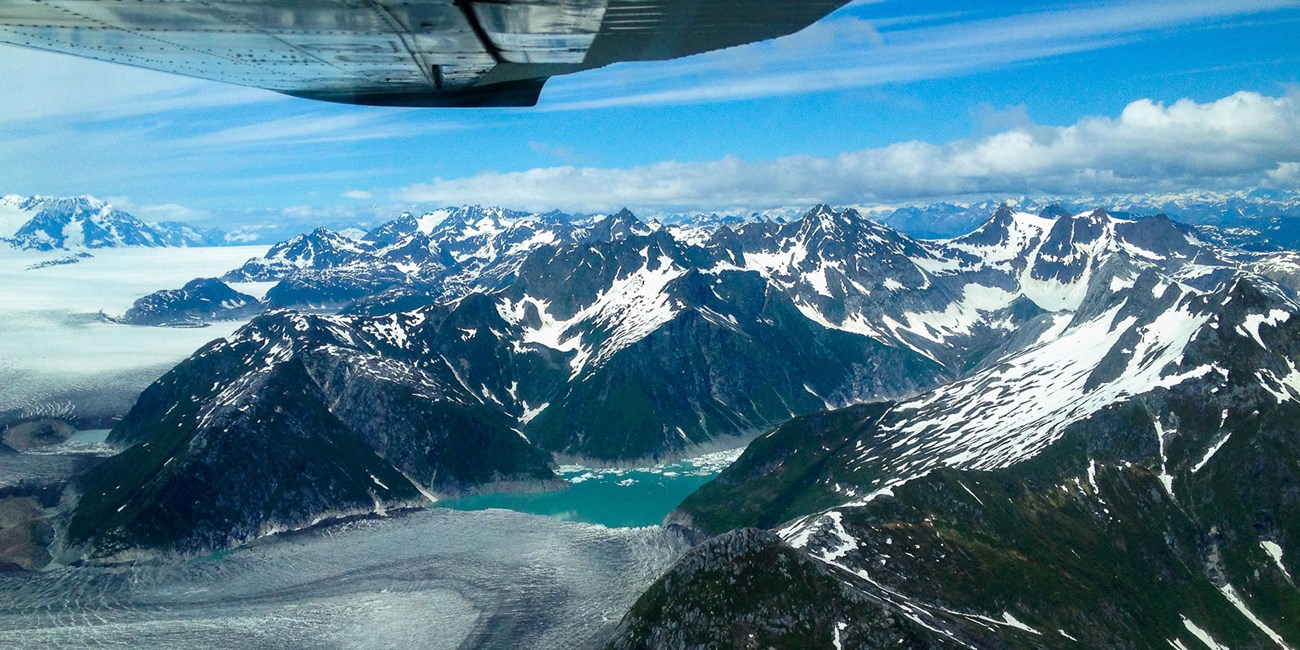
[1129, 485]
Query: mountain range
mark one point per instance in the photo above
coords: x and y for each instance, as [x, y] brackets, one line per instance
[1055, 430]
[1121, 475]
[1257, 218]
[77, 223]
[542, 336]
[1261, 220]
[611, 341]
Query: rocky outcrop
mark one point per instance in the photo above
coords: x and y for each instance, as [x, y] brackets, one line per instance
[197, 303]
[35, 434]
[26, 534]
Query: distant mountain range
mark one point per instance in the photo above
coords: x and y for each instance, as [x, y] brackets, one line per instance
[1263, 219]
[1254, 216]
[84, 222]
[1259, 220]
[1244, 215]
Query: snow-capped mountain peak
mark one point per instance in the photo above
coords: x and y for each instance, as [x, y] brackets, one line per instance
[85, 222]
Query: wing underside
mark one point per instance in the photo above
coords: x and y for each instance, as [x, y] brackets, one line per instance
[393, 52]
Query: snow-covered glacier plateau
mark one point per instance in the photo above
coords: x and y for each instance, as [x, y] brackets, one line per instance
[60, 355]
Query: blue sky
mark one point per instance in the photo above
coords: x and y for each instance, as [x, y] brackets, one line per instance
[884, 101]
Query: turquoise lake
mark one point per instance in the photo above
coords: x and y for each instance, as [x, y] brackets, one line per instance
[613, 497]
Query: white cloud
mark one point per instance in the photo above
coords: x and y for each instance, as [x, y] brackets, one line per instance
[1286, 176]
[170, 212]
[564, 154]
[249, 233]
[45, 85]
[358, 194]
[157, 211]
[353, 125]
[991, 119]
[1244, 140]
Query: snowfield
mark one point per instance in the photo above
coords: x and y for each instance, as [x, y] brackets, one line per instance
[59, 356]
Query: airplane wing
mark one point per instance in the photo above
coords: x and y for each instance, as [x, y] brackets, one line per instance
[396, 52]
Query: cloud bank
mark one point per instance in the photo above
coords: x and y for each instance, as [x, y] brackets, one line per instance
[1245, 140]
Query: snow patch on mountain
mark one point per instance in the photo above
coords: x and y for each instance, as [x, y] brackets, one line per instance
[632, 307]
[1020, 405]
